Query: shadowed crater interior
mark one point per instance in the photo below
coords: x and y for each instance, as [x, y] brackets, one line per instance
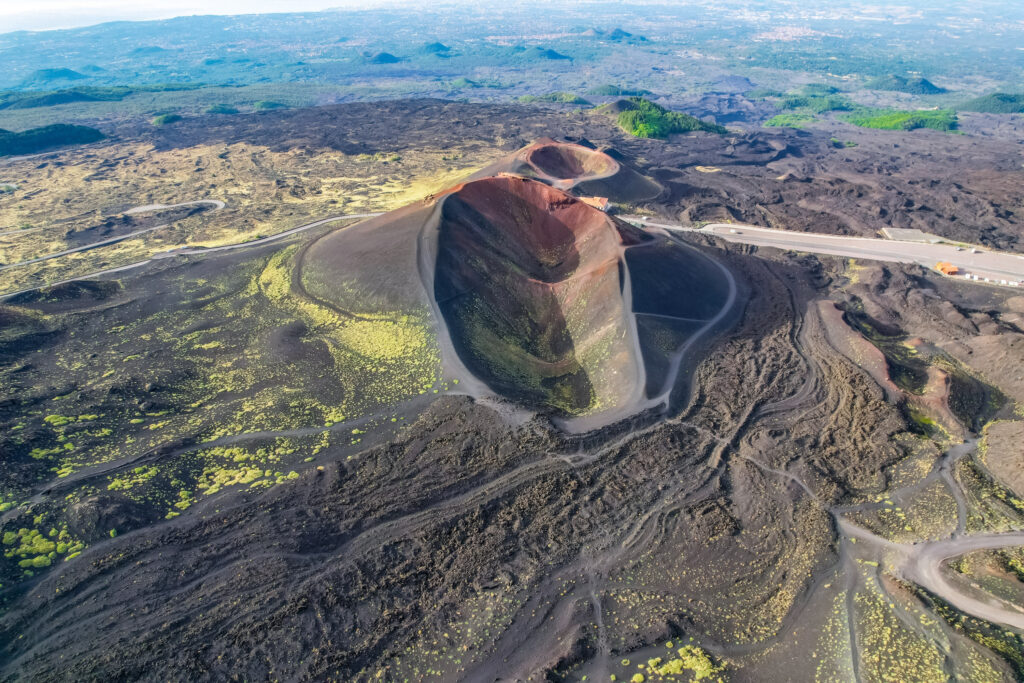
[574, 162]
[530, 282]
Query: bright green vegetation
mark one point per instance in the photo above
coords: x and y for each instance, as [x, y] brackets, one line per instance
[895, 119]
[687, 663]
[996, 103]
[267, 105]
[33, 549]
[819, 99]
[221, 109]
[615, 91]
[818, 90]
[691, 659]
[839, 143]
[165, 119]
[763, 93]
[818, 104]
[558, 97]
[914, 85]
[40, 139]
[790, 121]
[645, 119]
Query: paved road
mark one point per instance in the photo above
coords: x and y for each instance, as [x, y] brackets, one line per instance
[994, 265]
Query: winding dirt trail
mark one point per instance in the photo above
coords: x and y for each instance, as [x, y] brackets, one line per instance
[921, 563]
[187, 251]
[217, 204]
[924, 568]
[680, 353]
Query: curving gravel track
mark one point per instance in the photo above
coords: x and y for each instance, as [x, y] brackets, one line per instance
[170, 254]
[217, 204]
[922, 564]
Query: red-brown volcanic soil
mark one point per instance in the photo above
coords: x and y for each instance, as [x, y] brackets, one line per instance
[528, 279]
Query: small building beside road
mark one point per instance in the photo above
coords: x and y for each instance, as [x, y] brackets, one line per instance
[600, 203]
[911, 235]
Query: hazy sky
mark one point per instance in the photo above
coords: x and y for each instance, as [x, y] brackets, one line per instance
[16, 15]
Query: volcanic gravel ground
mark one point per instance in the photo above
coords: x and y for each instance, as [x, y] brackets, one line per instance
[481, 542]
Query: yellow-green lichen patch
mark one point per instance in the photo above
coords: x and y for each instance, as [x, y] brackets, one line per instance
[136, 477]
[929, 515]
[888, 650]
[383, 357]
[689, 660]
[33, 549]
[445, 653]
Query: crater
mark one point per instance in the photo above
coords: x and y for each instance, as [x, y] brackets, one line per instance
[530, 282]
[567, 162]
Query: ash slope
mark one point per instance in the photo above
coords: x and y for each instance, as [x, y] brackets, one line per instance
[334, 574]
[531, 289]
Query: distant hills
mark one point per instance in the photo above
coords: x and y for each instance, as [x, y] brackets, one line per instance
[268, 105]
[50, 75]
[30, 99]
[435, 48]
[221, 109]
[556, 97]
[148, 50]
[544, 53]
[912, 86]
[996, 103]
[462, 83]
[382, 58]
[615, 34]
